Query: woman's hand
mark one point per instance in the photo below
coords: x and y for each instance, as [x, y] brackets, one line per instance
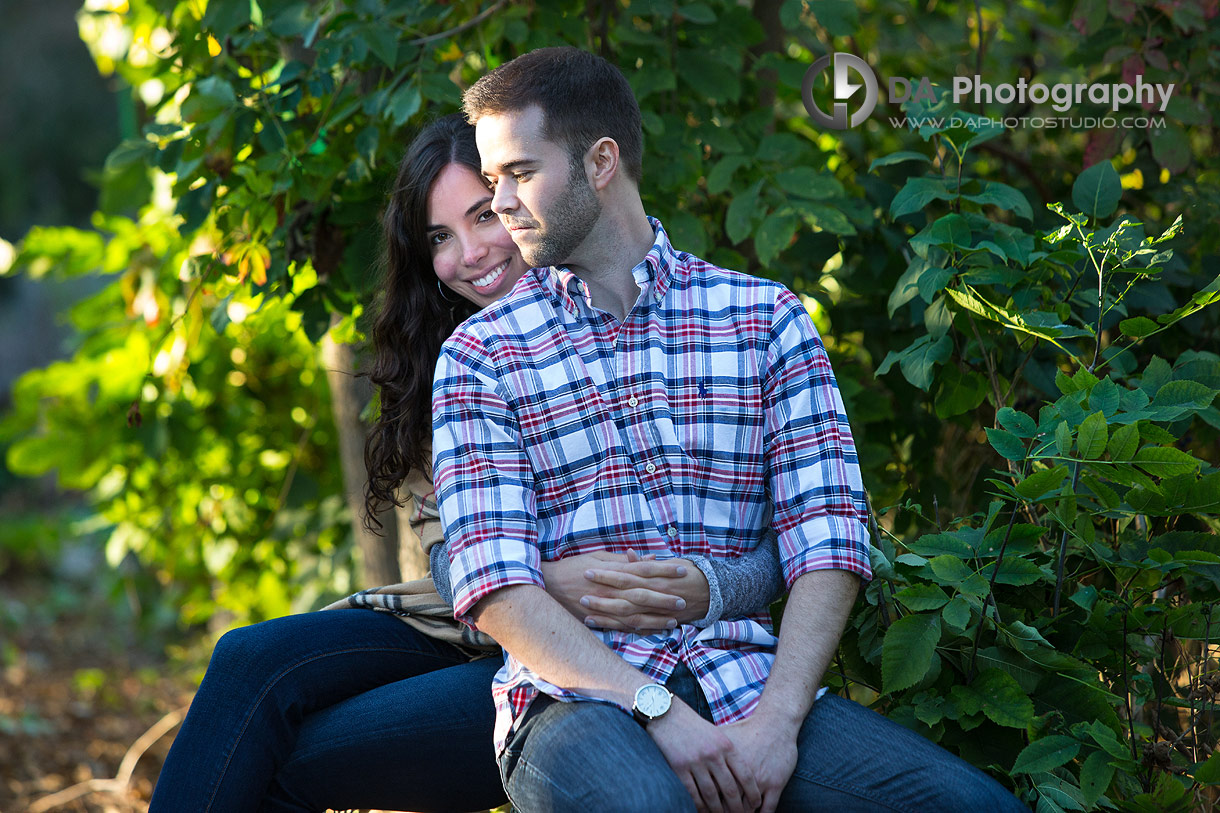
[626, 592]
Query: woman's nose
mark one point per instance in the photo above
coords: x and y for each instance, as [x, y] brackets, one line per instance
[474, 251]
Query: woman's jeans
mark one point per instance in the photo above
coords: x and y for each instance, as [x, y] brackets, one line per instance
[341, 709]
[585, 756]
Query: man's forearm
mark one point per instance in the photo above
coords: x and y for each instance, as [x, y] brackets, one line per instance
[537, 631]
[814, 617]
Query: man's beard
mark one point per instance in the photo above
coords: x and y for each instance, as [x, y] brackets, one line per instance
[570, 218]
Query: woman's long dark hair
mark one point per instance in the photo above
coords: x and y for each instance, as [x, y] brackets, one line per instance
[413, 318]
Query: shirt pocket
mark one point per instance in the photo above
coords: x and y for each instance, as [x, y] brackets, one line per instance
[719, 425]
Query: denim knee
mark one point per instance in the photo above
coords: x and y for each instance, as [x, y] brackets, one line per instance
[588, 756]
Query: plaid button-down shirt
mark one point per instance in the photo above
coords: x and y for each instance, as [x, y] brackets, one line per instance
[706, 416]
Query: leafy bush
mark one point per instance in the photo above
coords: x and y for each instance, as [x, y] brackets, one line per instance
[1061, 636]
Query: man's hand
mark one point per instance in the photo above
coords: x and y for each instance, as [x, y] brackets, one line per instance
[767, 748]
[706, 761]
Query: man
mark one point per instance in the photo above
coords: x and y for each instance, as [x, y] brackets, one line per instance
[628, 395]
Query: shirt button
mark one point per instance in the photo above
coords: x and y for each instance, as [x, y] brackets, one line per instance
[673, 532]
[650, 468]
[633, 401]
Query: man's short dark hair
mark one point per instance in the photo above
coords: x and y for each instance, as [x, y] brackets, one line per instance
[582, 96]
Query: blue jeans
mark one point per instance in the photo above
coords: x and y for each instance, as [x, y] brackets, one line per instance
[591, 756]
[342, 709]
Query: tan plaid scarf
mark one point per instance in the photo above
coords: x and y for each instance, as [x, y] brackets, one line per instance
[417, 602]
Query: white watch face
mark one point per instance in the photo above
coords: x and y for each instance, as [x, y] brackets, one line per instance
[652, 700]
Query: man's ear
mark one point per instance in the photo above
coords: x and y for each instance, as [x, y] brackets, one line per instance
[603, 156]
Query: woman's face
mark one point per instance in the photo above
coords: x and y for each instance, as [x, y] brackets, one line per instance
[472, 253]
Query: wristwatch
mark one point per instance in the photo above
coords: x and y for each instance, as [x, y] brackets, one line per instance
[651, 701]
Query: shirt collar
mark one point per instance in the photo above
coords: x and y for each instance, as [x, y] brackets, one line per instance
[654, 273]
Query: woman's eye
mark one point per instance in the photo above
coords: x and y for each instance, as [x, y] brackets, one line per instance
[438, 238]
[486, 215]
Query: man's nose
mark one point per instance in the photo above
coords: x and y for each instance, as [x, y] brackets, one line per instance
[504, 199]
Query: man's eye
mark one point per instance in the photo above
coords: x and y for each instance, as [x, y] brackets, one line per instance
[522, 176]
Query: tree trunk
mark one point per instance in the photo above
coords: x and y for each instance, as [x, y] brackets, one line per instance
[411, 560]
[349, 394]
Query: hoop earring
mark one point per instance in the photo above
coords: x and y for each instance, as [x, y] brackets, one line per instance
[440, 289]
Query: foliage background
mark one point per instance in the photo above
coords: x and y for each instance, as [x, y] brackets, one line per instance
[235, 235]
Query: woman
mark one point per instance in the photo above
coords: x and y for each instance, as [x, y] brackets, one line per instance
[393, 709]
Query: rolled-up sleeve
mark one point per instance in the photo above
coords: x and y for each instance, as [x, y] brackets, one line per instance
[812, 470]
[484, 482]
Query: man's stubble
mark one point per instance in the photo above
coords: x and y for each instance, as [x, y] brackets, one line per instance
[570, 218]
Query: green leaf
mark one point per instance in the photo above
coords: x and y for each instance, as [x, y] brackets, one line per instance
[930, 545]
[920, 597]
[382, 41]
[1189, 395]
[897, 158]
[1041, 483]
[1124, 442]
[918, 193]
[741, 213]
[956, 613]
[404, 104]
[808, 183]
[952, 229]
[1165, 461]
[1104, 494]
[907, 287]
[711, 74]
[1063, 438]
[1003, 196]
[209, 97]
[1097, 190]
[1209, 772]
[1091, 440]
[824, 216]
[774, 235]
[1105, 397]
[1017, 422]
[1006, 443]
[840, 18]
[908, 649]
[1004, 701]
[1170, 147]
[720, 178]
[1046, 754]
[1156, 375]
[950, 569]
[959, 392]
[1138, 327]
[919, 360]
[1014, 571]
[700, 13]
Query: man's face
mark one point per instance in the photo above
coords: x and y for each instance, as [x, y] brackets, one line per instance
[544, 201]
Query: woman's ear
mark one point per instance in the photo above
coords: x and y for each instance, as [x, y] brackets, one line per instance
[602, 162]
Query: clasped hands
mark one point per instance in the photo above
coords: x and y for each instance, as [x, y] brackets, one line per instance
[736, 768]
[627, 592]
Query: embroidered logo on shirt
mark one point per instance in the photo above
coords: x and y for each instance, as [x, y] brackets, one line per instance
[702, 389]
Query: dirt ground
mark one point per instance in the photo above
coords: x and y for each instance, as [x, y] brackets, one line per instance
[76, 693]
[84, 698]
